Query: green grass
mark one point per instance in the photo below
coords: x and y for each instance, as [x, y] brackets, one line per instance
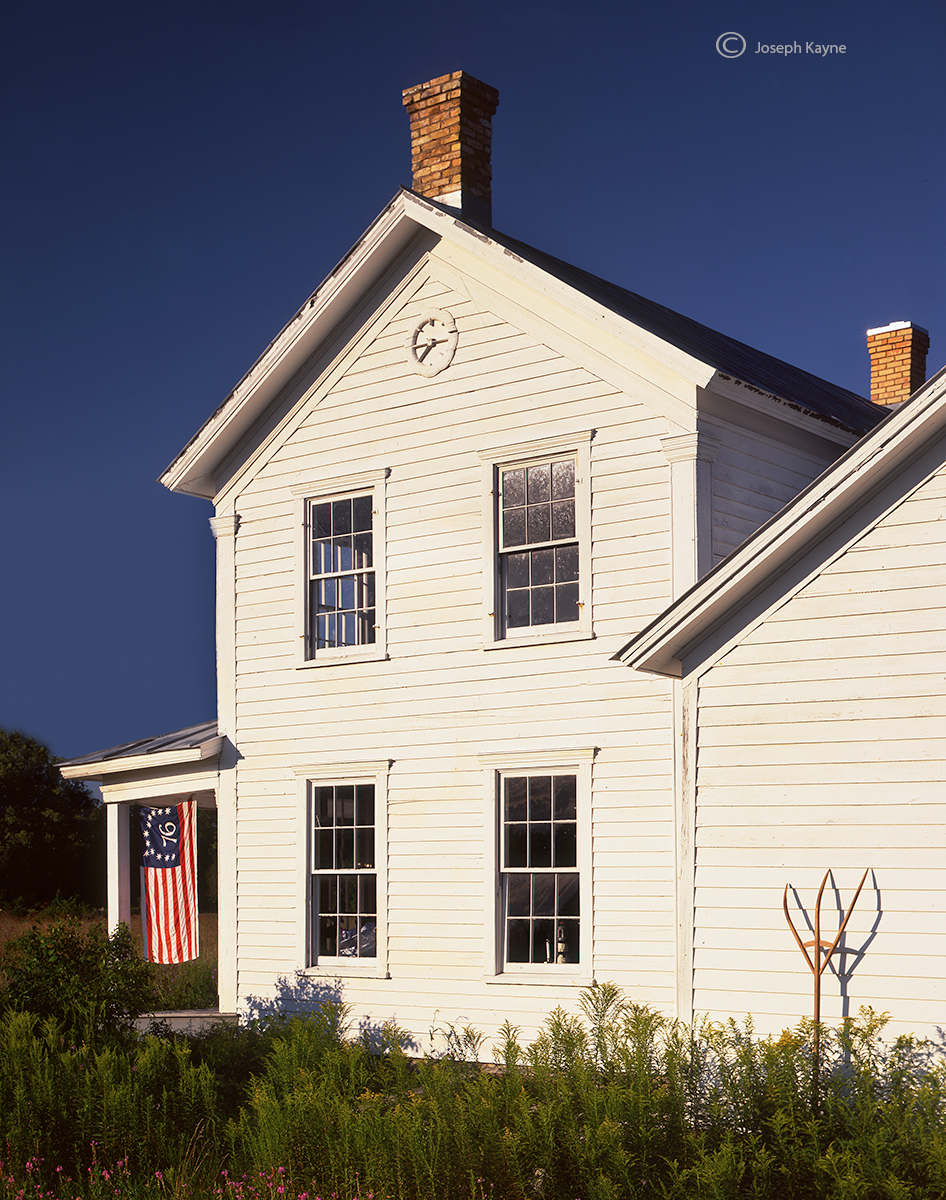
[617, 1103]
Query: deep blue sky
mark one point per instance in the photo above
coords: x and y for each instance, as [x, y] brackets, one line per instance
[180, 175]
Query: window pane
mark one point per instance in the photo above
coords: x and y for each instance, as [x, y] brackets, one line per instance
[364, 804]
[563, 519]
[540, 523]
[540, 798]
[567, 941]
[328, 595]
[543, 606]
[328, 894]
[368, 939]
[361, 513]
[348, 893]
[328, 935]
[518, 895]
[322, 520]
[348, 937]
[563, 791]
[324, 849]
[517, 609]
[362, 549]
[567, 895]
[343, 558]
[366, 624]
[516, 846]
[539, 484]
[566, 564]
[341, 516]
[543, 896]
[563, 479]
[514, 487]
[368, 901]
[345, 805]
[517, 941]
[514, 527]
[515, 792]
[364, 849]
[566, 602]
[517, 570]
[565, 845]
[345, 849]
[347, 592]
[540, 845]
[325, 806]
[543, 941]
[543, 567]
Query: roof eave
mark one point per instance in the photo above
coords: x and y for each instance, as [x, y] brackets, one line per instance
[206, 752]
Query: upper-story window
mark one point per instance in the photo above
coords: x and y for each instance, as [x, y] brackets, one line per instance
[539, 570]
[539, 523]
[341, 597]
[342, 605]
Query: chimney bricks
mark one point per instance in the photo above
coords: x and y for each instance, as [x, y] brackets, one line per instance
[897, 361]
[451, 137]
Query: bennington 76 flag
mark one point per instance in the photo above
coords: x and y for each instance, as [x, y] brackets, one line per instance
[169, 882]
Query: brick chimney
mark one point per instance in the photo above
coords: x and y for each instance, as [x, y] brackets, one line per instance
[897, 361]
[451, 136]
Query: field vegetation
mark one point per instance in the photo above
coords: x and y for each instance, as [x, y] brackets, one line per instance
[616, 1102]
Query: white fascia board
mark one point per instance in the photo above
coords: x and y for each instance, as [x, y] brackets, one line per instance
[206, 752]
[772, 405]
[192, 471]
[835, 494]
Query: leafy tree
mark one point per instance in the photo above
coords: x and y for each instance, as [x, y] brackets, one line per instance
[50, 828]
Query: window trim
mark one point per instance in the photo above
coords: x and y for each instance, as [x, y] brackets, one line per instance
[333, 774]
[496, 767]
[340, 488]
[499, 459]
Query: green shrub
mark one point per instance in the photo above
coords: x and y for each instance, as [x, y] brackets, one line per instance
[93, 983]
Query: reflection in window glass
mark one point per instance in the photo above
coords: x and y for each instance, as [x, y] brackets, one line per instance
[343, 895]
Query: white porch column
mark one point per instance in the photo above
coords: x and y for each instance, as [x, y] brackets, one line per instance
[118, 867]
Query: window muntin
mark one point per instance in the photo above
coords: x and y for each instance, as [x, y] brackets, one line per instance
[539, 876]
[539, 553]
[341, 574]
[343, 885]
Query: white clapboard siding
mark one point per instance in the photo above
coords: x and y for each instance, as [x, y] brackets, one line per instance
[822, 742]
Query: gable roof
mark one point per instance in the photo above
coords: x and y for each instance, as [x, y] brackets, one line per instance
[407, 216]
[829, 500]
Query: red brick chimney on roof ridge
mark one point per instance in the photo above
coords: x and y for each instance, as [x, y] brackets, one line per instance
[451, 137]
[897, 361]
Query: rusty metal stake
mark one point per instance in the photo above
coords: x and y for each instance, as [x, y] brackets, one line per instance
[817, 966]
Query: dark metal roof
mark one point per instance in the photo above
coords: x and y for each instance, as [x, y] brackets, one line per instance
[826, 400]
[182, 739]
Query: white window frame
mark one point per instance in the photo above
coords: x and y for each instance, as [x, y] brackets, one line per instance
[335, 774]
[341, 487]
[497, 767]
[573, 445]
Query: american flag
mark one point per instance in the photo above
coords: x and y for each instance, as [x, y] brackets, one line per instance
[169, 882]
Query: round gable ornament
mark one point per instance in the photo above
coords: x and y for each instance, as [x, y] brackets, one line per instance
[432, 342]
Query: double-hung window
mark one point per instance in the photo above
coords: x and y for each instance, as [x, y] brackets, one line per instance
[538, 586]
[343, 569]
[343, 872]
[541, 902]
[539, 831]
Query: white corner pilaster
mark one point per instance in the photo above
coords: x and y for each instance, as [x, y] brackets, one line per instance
[118, 866]
[224, 527]
[690, 456]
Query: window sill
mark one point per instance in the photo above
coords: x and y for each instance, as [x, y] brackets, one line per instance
[541, 639]
[342, 968]
[340, 659]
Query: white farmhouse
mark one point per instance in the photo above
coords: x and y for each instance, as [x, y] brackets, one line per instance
[443, 497]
